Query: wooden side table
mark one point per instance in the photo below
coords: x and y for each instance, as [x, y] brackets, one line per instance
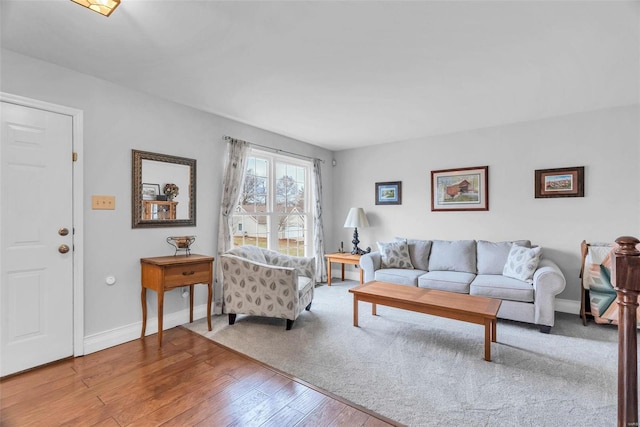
[159, 209]
[343, 258]
[169, 272]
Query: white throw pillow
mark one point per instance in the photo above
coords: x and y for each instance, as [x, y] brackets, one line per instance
[522, 263]
[395, 255]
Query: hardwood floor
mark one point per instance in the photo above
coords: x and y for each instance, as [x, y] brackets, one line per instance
[189, 381]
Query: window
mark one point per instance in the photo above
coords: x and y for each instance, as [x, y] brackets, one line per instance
[273, 211]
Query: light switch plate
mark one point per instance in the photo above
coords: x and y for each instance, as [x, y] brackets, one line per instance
[103, 202]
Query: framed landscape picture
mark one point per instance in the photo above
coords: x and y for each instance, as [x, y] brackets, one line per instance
[560, 182]
[389, 193]
[150, 191]
[463, 189]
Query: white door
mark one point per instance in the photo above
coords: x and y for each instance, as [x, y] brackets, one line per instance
[36, 281]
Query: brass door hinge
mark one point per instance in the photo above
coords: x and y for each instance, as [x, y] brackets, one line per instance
[74, 156]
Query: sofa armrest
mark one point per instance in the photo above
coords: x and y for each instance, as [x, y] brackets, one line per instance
[369, 263]
[548, 281]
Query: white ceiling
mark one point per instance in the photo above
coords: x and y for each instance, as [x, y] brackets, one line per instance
[343, 74]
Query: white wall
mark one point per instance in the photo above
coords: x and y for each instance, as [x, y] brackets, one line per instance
[117, 120]
[606, 142]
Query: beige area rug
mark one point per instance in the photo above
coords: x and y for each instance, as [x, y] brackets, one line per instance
[422, 370]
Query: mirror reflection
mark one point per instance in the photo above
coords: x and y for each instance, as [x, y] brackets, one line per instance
[163, 190]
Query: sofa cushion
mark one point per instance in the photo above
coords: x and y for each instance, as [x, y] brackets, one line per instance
[418, 252]
[452, 281]
[492, 256]
[399, 275]
[501, 287]
[522, 263]
[252, 253]
[453, 255]
[395, 254]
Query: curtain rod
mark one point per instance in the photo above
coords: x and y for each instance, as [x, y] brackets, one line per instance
[275, 150]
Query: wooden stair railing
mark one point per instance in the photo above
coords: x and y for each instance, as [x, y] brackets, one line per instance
[626, 280]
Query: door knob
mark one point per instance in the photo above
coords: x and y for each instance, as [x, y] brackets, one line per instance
[63, 231]
[63, 249]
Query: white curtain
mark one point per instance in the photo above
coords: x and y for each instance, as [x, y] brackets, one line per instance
[233, 180]
[318, 228]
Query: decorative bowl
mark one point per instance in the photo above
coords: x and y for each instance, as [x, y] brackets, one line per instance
[181, 243]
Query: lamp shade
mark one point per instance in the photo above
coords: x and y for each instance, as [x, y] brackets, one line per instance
[356, 218]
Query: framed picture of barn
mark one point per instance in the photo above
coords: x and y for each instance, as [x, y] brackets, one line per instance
[560, 182]
[462, 189]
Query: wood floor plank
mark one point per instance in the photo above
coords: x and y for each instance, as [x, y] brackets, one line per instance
[323, 415]
[62, 399]
[35, 378]
[145, 401]
[188, 381]
[308, 401]
[202, 410]
[51, 413]
[275, 403]
[234, 411]
[138, 388]
[349, 417]
[183, 403]
[155, 371]
[109, 422]
[107, 370]
[40, 391]
[286, 417]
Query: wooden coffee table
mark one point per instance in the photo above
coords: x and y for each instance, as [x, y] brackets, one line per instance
[468, 308]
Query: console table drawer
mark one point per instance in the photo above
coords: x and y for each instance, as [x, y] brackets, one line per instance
[181, 275]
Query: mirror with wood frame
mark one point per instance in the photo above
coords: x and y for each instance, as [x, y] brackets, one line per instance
[163, 190]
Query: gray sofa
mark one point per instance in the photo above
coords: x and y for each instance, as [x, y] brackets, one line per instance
[514, 272]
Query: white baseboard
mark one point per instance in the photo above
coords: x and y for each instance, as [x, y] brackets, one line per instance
[568, 306]
[348, 275]
[117, 336]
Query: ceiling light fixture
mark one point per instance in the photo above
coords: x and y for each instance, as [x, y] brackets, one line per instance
[103, 7]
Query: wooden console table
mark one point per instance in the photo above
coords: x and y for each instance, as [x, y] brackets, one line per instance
[169, 272]
[343, 258]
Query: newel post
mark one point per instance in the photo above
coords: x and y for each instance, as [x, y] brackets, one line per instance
[626, 279]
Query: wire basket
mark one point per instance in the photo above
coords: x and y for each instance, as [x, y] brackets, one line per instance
[181, 243]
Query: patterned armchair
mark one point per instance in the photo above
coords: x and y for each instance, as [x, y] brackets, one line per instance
[261, 282]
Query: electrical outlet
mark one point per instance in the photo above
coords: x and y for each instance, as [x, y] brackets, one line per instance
[103, 202]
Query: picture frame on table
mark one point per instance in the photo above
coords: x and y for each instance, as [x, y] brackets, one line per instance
[460, 189]
[559, 182]
[389, 193]
[150, 191]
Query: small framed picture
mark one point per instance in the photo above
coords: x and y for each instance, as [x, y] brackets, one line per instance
[389, 193]
[462, 189]
[150, 191]
[560, 182]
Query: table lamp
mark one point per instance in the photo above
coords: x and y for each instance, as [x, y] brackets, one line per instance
[356, 218]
